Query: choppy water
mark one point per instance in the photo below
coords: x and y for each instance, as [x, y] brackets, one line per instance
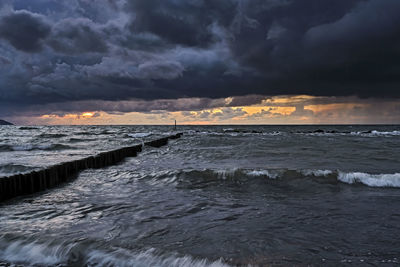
[220, 195]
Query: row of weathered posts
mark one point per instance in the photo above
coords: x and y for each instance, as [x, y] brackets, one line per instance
[36, 181]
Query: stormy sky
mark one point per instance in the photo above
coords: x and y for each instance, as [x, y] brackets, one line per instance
[114, 57]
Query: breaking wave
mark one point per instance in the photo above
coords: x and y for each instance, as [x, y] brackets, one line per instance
[243, 132]
[245, 175]
[48, 135]
[367, 133]
[30, 147]
[5, 148]
[138, 135]
[78, 140]
[14, 168]
[386, 133]
[54, 253]
[233, 133]
[377, 133]
[373, 180]
[28, 128]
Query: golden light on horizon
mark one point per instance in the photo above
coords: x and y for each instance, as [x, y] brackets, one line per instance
[299, 109]
[335, 107]
[251, 110]
[288, 99]
[87, 114]
[77, 116]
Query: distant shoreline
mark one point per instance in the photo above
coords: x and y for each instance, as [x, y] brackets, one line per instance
[3, 122]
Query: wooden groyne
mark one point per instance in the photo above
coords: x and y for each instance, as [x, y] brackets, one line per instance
[36, 181]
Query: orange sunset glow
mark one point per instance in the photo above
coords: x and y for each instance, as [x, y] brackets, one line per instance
[275, 110]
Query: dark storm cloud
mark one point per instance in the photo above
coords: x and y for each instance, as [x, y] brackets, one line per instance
[24, 30]
[4, 60]
[120, 107]
[77, 36]
[114, 50]
[181, 22]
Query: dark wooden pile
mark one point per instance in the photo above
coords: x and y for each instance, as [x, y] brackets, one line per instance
[36, 181]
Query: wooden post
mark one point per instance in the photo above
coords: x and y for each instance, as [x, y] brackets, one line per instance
[36, 181]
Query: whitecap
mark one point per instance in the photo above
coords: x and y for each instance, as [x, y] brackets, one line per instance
[373, 180]
[139, 135]
[50, 253]
[147, 258]
[34, 253]
[224, 174]
[385, 133]
[377, 133]
[30, 147]
[266, 173]
[316, 173]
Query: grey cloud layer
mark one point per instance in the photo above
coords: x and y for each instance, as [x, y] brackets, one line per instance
[55, 51]
[24, 30]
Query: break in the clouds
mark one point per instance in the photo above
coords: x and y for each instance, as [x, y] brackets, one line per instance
[124, 55]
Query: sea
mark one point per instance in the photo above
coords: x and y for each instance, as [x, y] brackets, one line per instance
[317, 195]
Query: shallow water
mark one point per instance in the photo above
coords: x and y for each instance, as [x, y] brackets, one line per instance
[220, 195]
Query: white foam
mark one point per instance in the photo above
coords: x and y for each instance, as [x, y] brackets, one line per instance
[139, 135]
[30, 147]
[148, 258]
[377, 133]
[49, 254]
[267, 173]
[373, 180]
[34, 253]
[385, 133]
[316, 173]
[23, 148]
[46, 146]
[228, 129]
[272, 133]
[224, 174]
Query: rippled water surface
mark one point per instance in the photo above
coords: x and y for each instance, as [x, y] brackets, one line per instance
[220, 195]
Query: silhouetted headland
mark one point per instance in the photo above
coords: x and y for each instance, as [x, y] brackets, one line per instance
[3, 122]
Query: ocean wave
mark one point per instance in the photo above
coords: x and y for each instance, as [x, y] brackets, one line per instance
[138, 135]
[14, 168]
[268, 173]
[54, 253]
[77, 140]
[30, 147]
[6, 148]
[84, 133]
[149, 257]
[199, 177]
[233, 130]
[105, 132]
[233, 133]
[28, 128]
[273, 133]
[49, 135]
[376, 133]
[372, 133]
[241, 132]
[366, 133]
[385, 133]
[372, 180]
[316, 173]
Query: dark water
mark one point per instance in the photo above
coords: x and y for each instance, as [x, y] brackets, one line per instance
[220, 195]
